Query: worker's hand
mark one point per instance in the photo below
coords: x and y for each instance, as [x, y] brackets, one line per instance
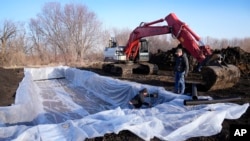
[186, 75]
[155, 95]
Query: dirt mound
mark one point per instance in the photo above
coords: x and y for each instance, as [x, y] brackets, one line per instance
[9, 80]
[238, 57]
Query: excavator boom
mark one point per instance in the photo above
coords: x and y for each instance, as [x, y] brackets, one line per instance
[140, 32]
[175, 27]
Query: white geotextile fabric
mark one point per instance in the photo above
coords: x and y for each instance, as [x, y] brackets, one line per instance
[65, 104]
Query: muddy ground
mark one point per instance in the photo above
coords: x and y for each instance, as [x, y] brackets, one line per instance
[10, 79]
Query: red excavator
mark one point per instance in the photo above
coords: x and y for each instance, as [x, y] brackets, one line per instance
[135, 55]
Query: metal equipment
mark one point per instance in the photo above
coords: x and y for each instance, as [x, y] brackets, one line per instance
[135, 55]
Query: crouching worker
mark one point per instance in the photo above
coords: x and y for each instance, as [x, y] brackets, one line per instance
[139, 99]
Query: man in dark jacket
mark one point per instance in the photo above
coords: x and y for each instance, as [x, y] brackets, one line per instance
[181, 71]
[139, 100]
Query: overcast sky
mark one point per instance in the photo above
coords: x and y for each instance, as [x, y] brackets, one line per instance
[214, 18]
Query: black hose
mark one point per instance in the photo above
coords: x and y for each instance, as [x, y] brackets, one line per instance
[207, 101]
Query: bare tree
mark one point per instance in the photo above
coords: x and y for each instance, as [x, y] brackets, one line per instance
[71, 31]
[245, 44]
[17, 48]
[51, 27]
[215, 43]
[162, 42]
[235, 42]
[38, 42]
[83, 28]
[8, 30]
[121, 35]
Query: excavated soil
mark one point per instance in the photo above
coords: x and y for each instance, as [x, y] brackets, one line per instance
[10, 79]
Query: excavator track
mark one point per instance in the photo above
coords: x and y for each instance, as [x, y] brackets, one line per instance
[220, 77]
[130, 68]
[145, 68]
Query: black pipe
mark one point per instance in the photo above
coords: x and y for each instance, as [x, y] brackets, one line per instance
[194, 92]
[207, 101]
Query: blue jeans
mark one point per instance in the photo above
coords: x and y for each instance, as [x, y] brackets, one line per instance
[179, 86]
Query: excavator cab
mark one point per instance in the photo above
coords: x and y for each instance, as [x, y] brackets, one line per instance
[143, 51]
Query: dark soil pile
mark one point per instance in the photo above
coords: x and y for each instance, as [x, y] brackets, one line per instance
[238, 57]
[9, 80]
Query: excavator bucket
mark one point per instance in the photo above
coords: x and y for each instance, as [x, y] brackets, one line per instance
[220, 77]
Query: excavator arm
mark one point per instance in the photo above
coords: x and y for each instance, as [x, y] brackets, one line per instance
[188, 38]
[144, 30]
[175, 27]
